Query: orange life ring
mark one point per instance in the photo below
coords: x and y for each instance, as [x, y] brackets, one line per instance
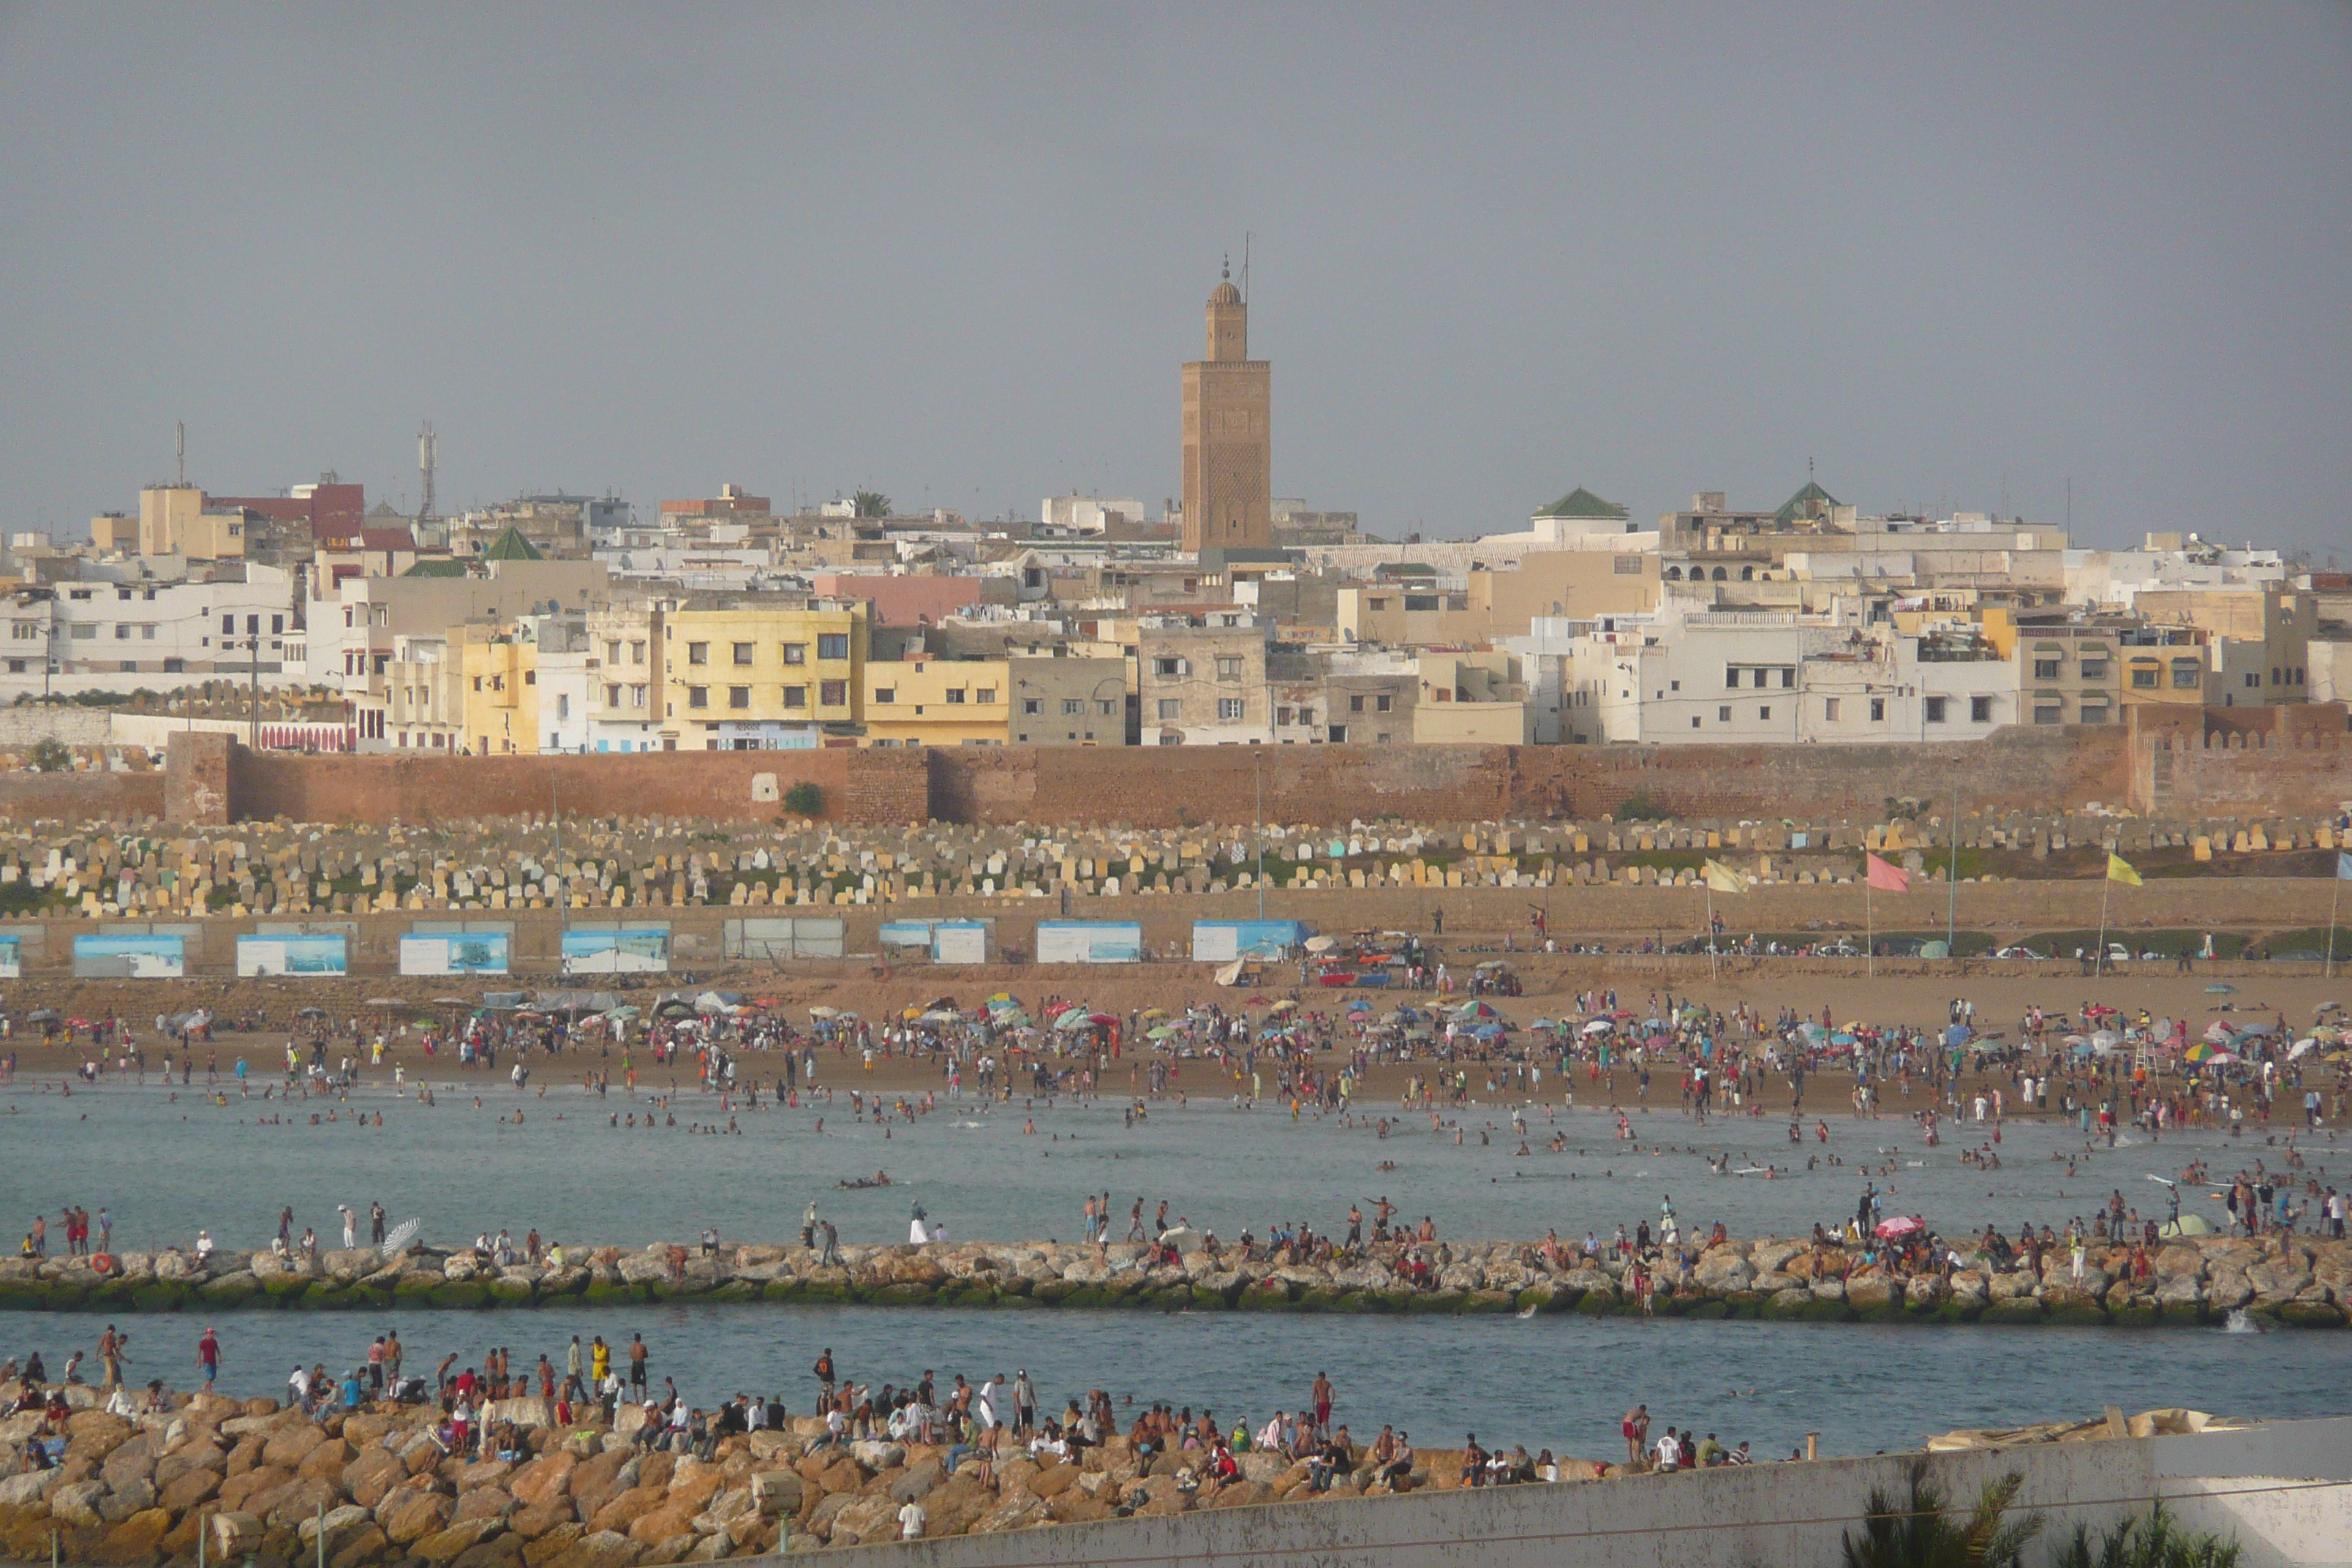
[101, 1263]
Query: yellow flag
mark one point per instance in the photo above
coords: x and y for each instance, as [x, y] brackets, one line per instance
[1724, 880]
[2120, 871]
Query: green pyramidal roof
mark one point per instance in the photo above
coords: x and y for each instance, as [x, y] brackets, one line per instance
[436, 566]
[510, 546]
[1804, 501]
[1582, 503]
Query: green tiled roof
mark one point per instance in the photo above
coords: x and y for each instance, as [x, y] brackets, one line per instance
[1803, 503]
[510, 546]
[1582, 503]
[436, 566]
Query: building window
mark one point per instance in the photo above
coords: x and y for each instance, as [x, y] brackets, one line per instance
[984, 694]
[832, 645]
[2144, 677]
[2045, 670]
[698, 653]
[955, 694]
[743, 656]
[1830, 709]
[697, 697]
[1788, 678]
[1170, 710]
[1764, 713]
[1282, 715]
[739, 697]
[1731, 677]
[1072, 706]
[1229, 710]
[1167, 666]
[795, 695]
[636, 653]
[885, 695]
[796, 653]
[1382, 702]
[1722, 715]
[1627, 565]
[1936, 710]
[636, 697]
[1980, 710]
[833, 694]
[563, 705]
[611, 652]
[1035, 707]
[1106, 706]
[1694, 722]
[2095, 669]
[1878, 710]
[2095, 712]
[2252, 680]
[1230, 668]
[612, 697]
[2048, 713]
[1355, 705]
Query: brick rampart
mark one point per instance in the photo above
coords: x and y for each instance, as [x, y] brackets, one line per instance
[2302, 765]
[30, 796]
[2024, 769]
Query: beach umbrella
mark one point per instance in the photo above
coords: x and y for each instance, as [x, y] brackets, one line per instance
[1180, 1237]
[402, 1235]
[1006, 996]
[824, 1013]
[1071, 1018]
[42, 1016]
[1321, 943]
[1543, 1024]
[1164, 1031]
[1599, 1026]
[1475, 1010]
[1285, 1005]
[1902, 1225]
[2187, 1225]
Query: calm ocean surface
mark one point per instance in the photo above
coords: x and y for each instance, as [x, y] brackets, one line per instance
[163, 1167]
[1550, 1382]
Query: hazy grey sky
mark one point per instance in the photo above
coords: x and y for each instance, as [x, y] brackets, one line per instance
[1954, 254]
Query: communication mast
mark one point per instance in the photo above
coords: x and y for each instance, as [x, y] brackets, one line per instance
[427, 455]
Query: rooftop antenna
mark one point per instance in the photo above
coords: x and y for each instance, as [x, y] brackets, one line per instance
[1246, 253]
[180, 446]
[427, 460]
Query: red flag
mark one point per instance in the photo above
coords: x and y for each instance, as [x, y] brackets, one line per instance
[1888, 878]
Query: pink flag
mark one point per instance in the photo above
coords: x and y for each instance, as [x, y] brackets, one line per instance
[1888, 878]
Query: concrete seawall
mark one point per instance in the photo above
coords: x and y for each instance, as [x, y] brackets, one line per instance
[2295, 1281]
[2281, 1490]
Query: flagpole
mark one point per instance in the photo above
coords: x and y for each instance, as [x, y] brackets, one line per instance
[1952, 910]
[1711, 972]
[2335, 892]
[2106, 885]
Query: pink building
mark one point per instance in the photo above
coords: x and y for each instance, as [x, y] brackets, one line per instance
[901, 601]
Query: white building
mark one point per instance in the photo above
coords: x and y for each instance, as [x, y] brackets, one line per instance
[103, 634]
[1089, 514]
[1765, 678]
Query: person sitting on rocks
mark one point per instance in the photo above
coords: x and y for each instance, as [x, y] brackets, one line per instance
[1474, 1462]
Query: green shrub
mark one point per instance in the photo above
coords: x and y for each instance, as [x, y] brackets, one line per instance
[804, 799]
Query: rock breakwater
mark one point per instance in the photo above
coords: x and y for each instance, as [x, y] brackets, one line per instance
[260, 1484]
[2305, 1282]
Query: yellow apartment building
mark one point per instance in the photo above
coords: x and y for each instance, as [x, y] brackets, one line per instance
[938, 703]
[738, 674]
[498, 683]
